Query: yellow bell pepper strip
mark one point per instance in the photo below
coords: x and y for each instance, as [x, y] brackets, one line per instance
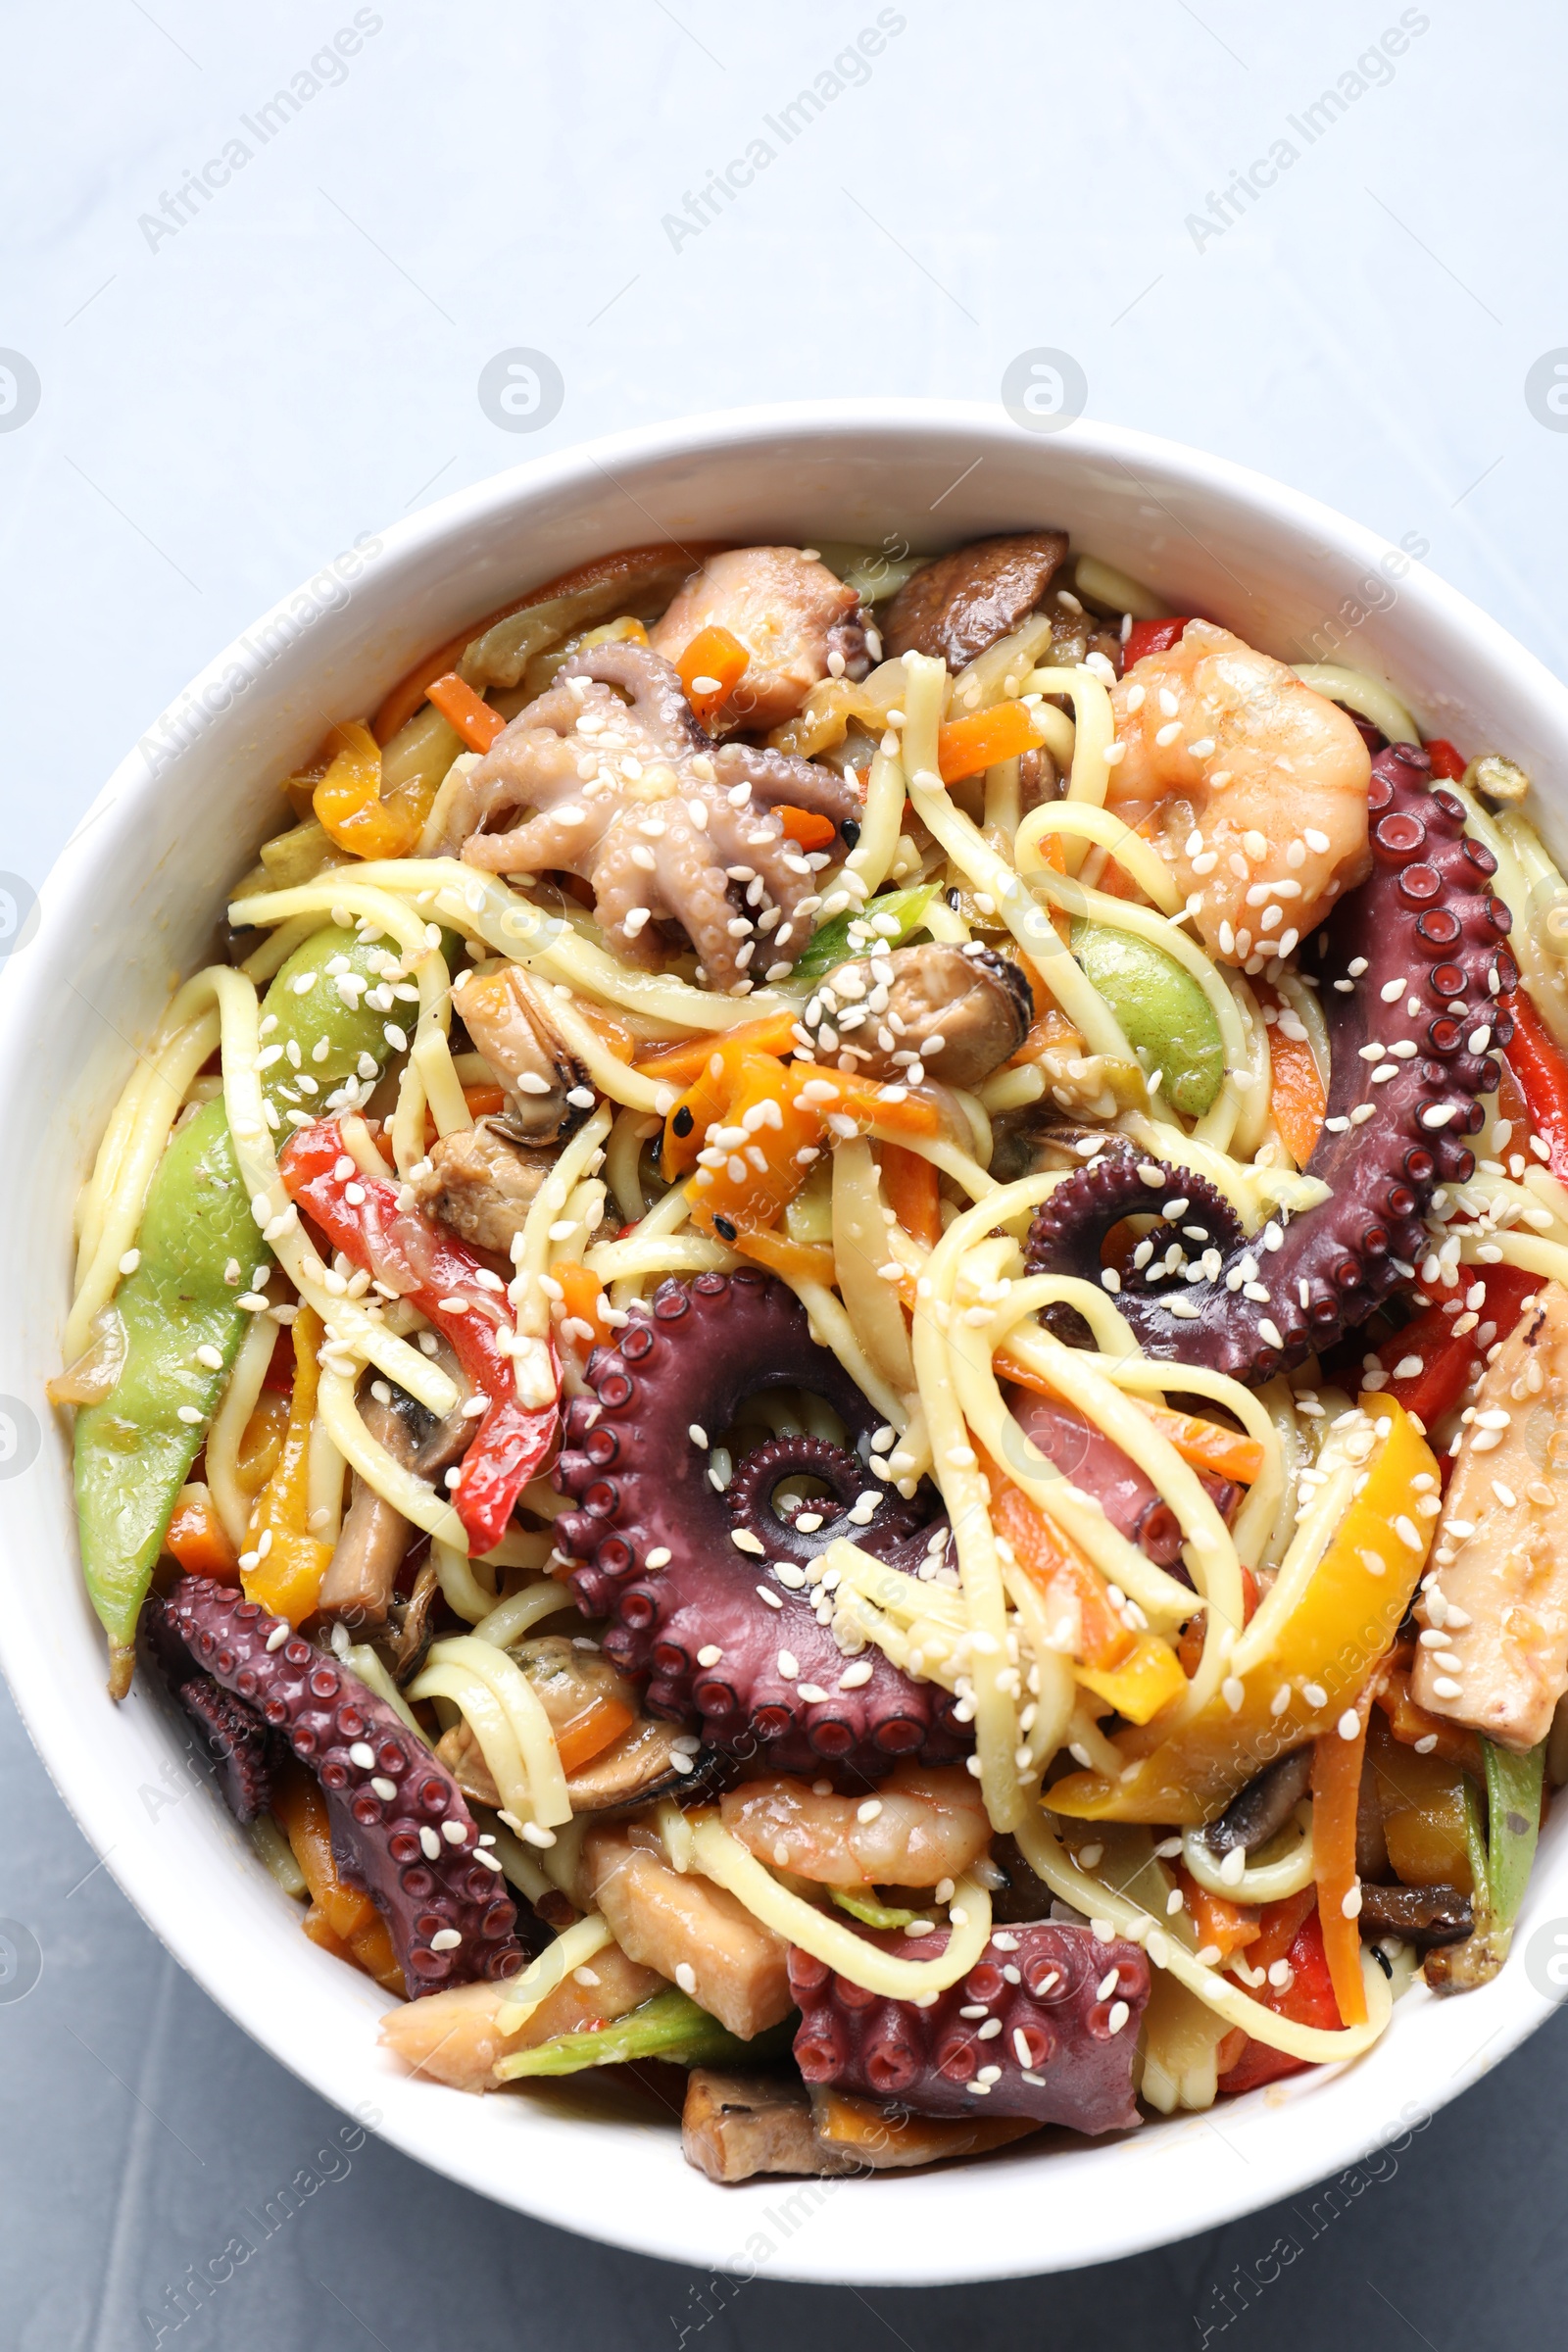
[1145, 1682]
[1315, 1639]
[793, 1106]
[1336, 1791]
[711, 668]
[1050, 1563]
[284, 1563]
[348, 802]
[468, 712]
[966, 746]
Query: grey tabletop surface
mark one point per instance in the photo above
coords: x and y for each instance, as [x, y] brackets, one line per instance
[265, 273]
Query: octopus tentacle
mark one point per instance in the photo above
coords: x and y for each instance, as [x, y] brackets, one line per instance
[1068, 2007]
[400, 1830]
[236, 1746]
[1409, 967]
[749, 1497]
[724, 1621]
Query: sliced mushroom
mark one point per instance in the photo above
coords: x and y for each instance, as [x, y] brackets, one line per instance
[506, 1014]
[951, 1013]
[1264, 1806]
[482, 1182]
[357, 1589]
[1423, 1915]
[734, 2126]
[963, 603]
[409, 1631]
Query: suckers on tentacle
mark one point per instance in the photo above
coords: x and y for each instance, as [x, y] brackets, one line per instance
[711, 1595]
[1409, 968]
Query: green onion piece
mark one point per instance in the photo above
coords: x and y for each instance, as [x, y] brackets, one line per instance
[831, 945]
[669, 2026]
[1513, 1821]
[869, 1913]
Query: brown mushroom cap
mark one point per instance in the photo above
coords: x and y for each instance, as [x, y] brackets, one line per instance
[959, 1011]
[963, 603]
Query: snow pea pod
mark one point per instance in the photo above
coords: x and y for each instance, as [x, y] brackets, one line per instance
[670, 2026]
[198, 1250]
[1164, 1013]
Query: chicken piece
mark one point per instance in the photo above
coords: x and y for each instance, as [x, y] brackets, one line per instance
[689, 1930]
[958, 1012]
[482, 1184]
[963, 603]
[452, 2035]
[1494, 1651]
[505, 1013]
[788, 611]
[734, 2126]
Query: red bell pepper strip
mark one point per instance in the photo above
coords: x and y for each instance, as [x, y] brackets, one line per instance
[1308, 1999]
[1152, 637]
[1536, 1061]
[1447, 1363]
[1448, 765]
[456, 1292]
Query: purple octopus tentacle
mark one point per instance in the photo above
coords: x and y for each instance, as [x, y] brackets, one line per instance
[726, 1625]
[1068, 2007]
[749, 1497]
[1409, 967]
[237, 1745]
[400, 1830]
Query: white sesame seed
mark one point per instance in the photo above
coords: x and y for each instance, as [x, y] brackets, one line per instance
[363, 1754]
[686, 1978]
[445, 1939]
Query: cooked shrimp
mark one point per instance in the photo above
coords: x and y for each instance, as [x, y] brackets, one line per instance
[924, 1824]
[1256, 787]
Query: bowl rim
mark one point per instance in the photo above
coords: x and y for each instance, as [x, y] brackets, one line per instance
[1329, 2127]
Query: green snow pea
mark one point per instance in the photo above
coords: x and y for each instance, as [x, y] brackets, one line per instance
[831, 944]
[1166, 1015]
[198, 1249]
[669, 2027]
[871, 1913]
[1513, 1823]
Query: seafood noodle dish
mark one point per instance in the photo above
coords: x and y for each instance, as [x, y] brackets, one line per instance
[833, 1352]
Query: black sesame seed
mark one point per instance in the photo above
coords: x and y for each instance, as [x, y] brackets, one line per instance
[850, 831]
[722, 1226]
[683, 1122]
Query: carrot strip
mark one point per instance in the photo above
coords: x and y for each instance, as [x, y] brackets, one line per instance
[1050, 1562]
[198, 1538]
[1296, 1097]
[484, 1102]
[909, 1182]
[1227, 1452]
[468, 712]
[711, 668]
[582, 1299]
[589, 1734]
[801, 825]
[1336, 1787]
[1227, 1925]
[965, 747]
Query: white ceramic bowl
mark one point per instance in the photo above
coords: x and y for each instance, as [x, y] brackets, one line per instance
[131, 906]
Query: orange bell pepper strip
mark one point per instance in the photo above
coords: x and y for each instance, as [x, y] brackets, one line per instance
[679, 1065]
[804, 826]
[1050, 1563]
[1296, 1095]
[909, 1182]
[1317, 1634]
[1228, 1453]
[348, 802]
[797, 1261]
[1228, 1927]
[711, 668]
[341, 1918]
[198, 1538]
[468, 712]
[797, 1101]
[966, 746]
[582, 1307]
[1411, 1725]
[286, 1561]
[1335, 1788]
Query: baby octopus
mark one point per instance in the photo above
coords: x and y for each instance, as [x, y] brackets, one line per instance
[636, 798]
[1252, 787]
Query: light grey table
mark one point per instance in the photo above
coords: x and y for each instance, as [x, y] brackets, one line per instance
[260, 263]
